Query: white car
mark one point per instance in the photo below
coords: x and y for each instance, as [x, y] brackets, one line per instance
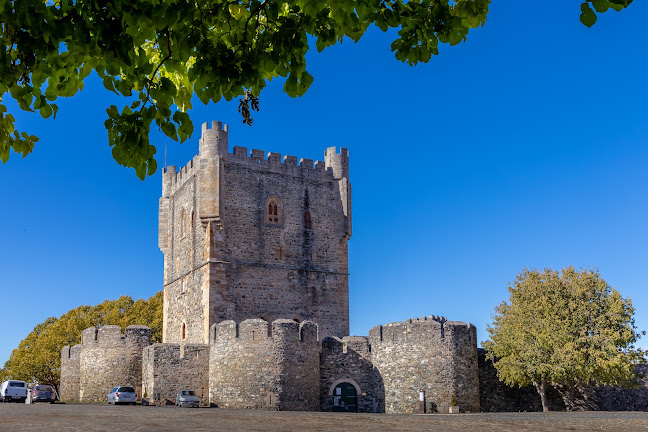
[187, 398]
[122, 395]
[13, 390]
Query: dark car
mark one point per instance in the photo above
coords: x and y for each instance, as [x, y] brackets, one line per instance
[43, 393]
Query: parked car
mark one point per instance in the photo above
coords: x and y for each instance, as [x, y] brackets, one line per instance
[13, 391]
[43, 393]
[122, 395]
[187, 398]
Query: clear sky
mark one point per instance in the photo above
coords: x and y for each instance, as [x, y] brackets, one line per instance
[526, 146]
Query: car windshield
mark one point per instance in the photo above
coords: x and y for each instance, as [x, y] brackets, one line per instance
[43, 388]
[126, 389]
[188, 393]
[16, 384]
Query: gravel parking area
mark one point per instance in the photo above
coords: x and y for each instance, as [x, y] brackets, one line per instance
[96, 417]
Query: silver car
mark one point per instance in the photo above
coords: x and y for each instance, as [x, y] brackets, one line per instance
[122, 395]
[187, 398]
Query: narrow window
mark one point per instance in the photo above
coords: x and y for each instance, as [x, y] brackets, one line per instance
[184, 331]
[307, 220]
[183, 221]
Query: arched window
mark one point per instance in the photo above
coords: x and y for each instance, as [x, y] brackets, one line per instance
[307, 220]
[274, 211]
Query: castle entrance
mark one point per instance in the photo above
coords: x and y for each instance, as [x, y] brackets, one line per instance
[345, 398]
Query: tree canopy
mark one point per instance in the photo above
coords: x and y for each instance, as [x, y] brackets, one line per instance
[563, 329]
[38, 357]
[159, 54]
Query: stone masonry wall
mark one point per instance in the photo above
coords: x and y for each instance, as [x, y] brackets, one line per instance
[301, 272]
[349, 360]
[418, 355]
[224, 261]
[463, 341]
[70, 373]
[109, 358]
[250, 367]
[497, 396]
[183, 247]
[167, 369]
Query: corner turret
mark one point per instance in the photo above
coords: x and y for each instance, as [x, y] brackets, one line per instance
[212, 152]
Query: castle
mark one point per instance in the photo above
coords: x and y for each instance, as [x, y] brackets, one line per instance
[256, 301]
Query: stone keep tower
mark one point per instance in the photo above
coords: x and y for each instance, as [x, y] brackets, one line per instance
[245, 236]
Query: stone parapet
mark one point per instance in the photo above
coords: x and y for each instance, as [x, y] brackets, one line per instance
[256, 366]
[70, 373]
[426, 354]
[109, 358]
[169, 368]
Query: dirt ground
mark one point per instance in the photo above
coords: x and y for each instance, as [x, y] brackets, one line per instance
[95, 417]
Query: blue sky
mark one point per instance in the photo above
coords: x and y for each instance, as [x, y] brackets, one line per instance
[526, 146]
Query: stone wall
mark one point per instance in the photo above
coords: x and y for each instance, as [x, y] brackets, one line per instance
[109, 358]
[252, 367]
[349, 360]
[497, 396]
[70, 373]
[169, 368]
[427, 354]
[224, 261]
[618, 399]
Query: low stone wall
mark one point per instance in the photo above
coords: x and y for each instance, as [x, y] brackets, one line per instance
[495, 396]
[349, 360]
[250, 367]
[169, 368]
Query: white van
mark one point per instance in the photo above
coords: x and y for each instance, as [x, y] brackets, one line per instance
[12, 390]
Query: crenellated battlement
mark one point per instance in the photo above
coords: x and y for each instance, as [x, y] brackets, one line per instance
[111, 334]
[357, 344]
[174, 351]
[287, 165]
[338, 162]
[258, 330]
[173, 179]
[413, 329]
[71, 352]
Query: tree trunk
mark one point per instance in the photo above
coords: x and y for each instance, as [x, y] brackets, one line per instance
[542, 391]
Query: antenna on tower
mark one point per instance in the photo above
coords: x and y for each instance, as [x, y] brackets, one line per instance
[165, 149]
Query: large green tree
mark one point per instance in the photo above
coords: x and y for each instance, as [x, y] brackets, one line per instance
[158, 54]
[563, 329]
[38, 357]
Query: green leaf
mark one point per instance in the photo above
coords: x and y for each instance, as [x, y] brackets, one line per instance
[45, 111]
[588, 17]
[601, 5]
[169, 130]
[238, 11]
